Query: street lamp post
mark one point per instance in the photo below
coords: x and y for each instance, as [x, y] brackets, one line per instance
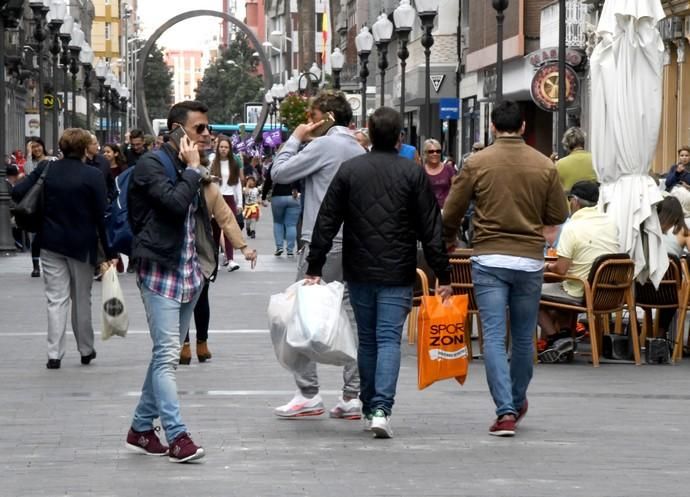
[124, 95]
[101, 70]
[74, 49]
[364, 42]
[109, 81]
[268, 98]
[337, 62]
[40, 9]
[65, 37]
[9, 18]
[427, 10]
[500, 6]
[383, 32]
[403, 16]
[58, 9]
[312, 80]
[86, 59]
[562, 78]
[278, 92]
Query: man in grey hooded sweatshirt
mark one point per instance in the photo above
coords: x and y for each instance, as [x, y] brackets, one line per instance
[330, 143]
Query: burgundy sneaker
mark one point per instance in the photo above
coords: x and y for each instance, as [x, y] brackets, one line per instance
[146, 442]
[184, 450]
[521, 413]
[503, 427]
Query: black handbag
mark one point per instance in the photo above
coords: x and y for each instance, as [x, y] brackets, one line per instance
[28, 213]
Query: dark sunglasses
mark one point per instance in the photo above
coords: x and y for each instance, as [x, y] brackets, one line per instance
[433, 151]
[200, 128]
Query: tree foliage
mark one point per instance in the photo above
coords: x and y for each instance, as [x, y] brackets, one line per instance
[293, 111]
[230, 82]
[157, 85]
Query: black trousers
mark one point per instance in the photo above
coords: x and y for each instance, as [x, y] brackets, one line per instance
[202, 316]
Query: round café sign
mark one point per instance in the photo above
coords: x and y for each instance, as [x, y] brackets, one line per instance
[544, 88]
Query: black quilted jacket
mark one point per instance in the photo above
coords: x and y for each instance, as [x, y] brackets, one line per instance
[386, 205]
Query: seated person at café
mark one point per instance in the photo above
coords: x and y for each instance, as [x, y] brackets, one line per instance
[587, 235]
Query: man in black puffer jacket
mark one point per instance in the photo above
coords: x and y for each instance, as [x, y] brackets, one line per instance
[386, 205]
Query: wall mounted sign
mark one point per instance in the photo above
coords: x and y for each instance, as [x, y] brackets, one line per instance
[437, 81]
[544, 87]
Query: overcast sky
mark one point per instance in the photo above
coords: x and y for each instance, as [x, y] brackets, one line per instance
[187, 34]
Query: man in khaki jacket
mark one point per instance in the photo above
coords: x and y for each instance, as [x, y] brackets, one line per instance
[517, 192]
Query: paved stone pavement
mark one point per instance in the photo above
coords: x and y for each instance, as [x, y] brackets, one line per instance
[619, 430]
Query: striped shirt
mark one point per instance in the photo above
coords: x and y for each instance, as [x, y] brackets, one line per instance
[184, 282]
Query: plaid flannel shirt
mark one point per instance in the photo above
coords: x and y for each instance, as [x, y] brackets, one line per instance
[182, 283]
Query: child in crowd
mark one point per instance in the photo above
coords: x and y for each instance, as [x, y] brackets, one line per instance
[251, 206]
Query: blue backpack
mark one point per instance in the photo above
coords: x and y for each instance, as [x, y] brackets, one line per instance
[117, 227]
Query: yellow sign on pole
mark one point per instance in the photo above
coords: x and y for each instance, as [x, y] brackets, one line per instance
[48, 101]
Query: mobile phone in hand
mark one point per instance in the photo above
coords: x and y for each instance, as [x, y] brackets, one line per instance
[176, 136]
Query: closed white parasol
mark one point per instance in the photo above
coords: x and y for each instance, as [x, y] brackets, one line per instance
[626, 71]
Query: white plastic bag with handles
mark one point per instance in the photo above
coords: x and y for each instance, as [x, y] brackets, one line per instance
[281, 308]
[114, 310]
[309, 322]
[320, 327]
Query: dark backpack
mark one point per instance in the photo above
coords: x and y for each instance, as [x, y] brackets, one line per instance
[117, 227]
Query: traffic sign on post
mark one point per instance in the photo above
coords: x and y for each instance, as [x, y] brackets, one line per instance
[449, 109]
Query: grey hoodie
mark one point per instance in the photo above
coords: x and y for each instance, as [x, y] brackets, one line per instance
[316, 164]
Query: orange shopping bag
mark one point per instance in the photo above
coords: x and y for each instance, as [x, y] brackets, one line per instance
[441, 348]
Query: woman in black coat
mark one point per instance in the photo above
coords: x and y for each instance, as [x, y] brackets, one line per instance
[73, 222]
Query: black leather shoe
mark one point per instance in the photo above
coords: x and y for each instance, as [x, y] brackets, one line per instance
[86, 359]
[36, 273]
[53, 364]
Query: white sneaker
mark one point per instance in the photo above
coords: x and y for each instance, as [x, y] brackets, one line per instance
[301, 406]
[233, 266]
[367, 422]
[352, 409]
[381, 425]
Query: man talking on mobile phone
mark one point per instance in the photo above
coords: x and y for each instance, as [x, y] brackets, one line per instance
[169, 222]
[330, 143]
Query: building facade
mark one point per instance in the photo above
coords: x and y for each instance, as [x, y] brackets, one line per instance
[188, 71]
[675, 127]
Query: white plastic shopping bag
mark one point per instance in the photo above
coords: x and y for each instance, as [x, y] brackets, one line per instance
[115, 319]
[320, 328]
[308, 322]
[281, 308]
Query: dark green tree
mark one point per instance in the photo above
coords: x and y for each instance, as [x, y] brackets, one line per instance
[230, 82]
[157, 85]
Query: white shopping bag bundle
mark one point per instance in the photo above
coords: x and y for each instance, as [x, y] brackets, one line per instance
[309, 322]
[114, 311]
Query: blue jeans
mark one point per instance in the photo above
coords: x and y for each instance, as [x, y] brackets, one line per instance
[286, 210]
[168, 325]
[519, 291]
[380, 312]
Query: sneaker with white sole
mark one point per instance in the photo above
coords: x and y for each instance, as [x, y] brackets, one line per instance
[233, 266]
[367, 422]
[381, 424]
[352, 409]
[301, 406]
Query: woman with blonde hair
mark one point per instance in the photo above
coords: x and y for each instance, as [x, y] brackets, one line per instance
[440, 175]
[226, 170]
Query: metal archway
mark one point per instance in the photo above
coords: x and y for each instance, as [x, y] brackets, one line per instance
[141, 96]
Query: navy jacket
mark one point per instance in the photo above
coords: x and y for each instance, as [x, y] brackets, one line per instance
[75, 202]
[674, 177]
[157, 208]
